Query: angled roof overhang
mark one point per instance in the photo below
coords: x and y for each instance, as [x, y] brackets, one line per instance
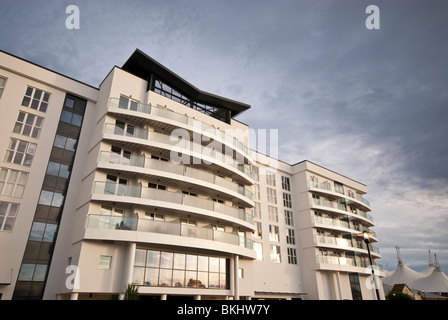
[142, 66]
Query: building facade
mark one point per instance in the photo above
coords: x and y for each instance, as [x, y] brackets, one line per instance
[147, 180]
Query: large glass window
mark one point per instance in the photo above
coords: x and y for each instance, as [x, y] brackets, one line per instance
[173, 269]
[355, 286]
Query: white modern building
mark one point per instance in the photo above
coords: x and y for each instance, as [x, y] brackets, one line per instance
[148, 180]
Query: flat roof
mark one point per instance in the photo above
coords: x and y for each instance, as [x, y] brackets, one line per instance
[142, 66]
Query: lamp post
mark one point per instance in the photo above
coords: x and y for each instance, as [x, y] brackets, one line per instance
[366, 236]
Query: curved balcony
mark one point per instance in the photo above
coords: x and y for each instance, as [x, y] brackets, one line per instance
[345, 244]
[329, 190]
[166, 116]
[336, 224]
[162, 232]
[176, 201]
[203, 181]
[323, 204]
[135, 137]
[345, 264]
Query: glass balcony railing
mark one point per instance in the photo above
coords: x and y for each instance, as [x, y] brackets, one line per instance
[338, 206]
[148, 163]
[172, 228]
[145, 134]
[345, 243]
[221, 135]
[138, 191]
[339, 189]
[344, 261]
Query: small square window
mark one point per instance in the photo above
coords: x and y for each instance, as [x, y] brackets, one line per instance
[105, 262]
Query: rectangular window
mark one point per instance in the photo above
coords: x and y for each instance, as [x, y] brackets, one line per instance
[258, 248]
[287, 200]
[274, 233]
[270, 178]
[355, 286]
[72, 118]
[8, 214]
[20, 152]
[105, 262]
[12, 182]
[257, 233]
[58, 169]
[275, 254]
[290, 237]
[292, 256]
[48, 198]
[28, 124]
[338, 187]
[256, 191]
[32, 272]
[127, 103]
[285, 184]
[272, 195]
[64, 142]
[36, 99]
[273, 213]
[2, 85]
[256, 210]
[44, 232]
[289, 218]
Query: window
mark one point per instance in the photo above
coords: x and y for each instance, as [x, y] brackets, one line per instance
[355, 286]
[272, 195]
[8, 214]
[65, 143]
[36, 99]
[28, 124]
[292, 256]
[12, 182]
[2, 85]
[285, 184]
[270, 178]
[154, 216]
[156, 186]
[256, 191]
[256, 210]
[72, 118]
[58, 169]
[255, 171]
[49, 198]
[287, 200]
[289, 220]
[274, 233]
[173, 269]
[290, 237]
[105, 262]
[127, 103]
[20, 152]
[275, 254]
[187, 221]
[258, 248]
[32, 272]
[257, 234]
[273, 213]
[338, 187]
[44, 232]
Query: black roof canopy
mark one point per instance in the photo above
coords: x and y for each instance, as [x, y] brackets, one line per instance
[143, 66]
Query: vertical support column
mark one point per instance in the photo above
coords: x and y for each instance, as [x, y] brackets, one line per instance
[128, 268]
[74, 296]
[163, 297]
[338, 277]
[197, 297]
[236, 292]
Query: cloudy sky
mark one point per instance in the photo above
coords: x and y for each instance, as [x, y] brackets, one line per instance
[369, 104]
